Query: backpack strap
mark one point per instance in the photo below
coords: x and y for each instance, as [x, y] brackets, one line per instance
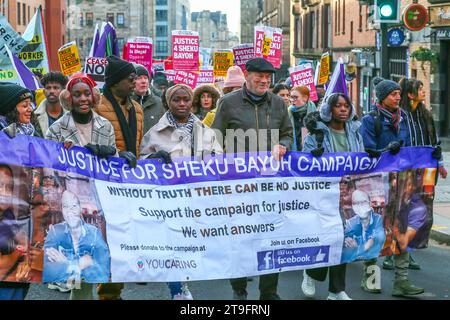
[377, 122]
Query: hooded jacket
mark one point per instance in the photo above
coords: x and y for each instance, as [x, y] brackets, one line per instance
[197, 104]
[354, 138]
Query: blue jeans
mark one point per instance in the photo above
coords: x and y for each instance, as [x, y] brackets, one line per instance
[175, 288]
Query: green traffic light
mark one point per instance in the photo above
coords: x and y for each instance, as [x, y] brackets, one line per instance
[386, 11]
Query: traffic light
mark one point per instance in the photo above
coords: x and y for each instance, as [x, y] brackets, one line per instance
[387, 11]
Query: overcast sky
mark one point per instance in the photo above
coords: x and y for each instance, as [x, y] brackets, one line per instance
[231, 7]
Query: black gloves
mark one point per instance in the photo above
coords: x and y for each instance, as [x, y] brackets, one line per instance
[130, 157]
[318, 152]
[101, 151]
[161, 155]
[437, 153]
[394, 147]
[11, 130]
[373, 153]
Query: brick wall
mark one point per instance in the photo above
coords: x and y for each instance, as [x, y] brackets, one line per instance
[346, 12]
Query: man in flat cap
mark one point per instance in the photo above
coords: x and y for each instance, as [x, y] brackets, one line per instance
[254, 120]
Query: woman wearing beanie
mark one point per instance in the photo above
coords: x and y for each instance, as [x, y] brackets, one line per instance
[159, 142]
[300, 107]
[16, 110]
[340, 134]
[204, 101]
[234, 80]
[83, 127]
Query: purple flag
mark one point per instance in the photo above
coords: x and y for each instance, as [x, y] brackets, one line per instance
[337, 82]
[108, 44]
[25, 77]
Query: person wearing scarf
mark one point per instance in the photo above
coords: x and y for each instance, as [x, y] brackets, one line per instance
[394, 133]
[116, 105]
[16, 110]
[301, 106]
[179, 134]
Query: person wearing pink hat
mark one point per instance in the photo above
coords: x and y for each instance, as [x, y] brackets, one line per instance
[234, 81]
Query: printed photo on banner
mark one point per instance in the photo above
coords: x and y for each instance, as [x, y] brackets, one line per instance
[74, 248]
[362, 207]
[15, 225]
[413, 223]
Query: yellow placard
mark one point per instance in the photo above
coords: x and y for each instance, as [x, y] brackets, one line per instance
[223, 60]
[324, 69]
[266, 46]
[69, 59]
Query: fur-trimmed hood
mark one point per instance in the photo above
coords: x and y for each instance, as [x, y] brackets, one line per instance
[325, 110]
[196, 103]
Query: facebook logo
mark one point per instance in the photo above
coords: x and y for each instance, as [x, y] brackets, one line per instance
[265, 260]
[282, 258]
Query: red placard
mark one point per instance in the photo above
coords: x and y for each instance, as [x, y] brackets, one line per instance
[139, 52]
[188, 78]
[415, 17]
[206, 76]
[242, 54]
[185, 49]
[303, 75]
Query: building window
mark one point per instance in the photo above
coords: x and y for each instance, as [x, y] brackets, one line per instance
[161, 31]
[162, 46]
[343, 16]
[121, 20]
[28, 9]
[351, 32]
[326, 26]
[110, 17]
[161, 2]
[339, 17]
[81, 20]
[360, 18]
[63, 17]
[89, 19]
[161, 15]
[18, 13]
[24, 13]
[296, 32]
[367, 17]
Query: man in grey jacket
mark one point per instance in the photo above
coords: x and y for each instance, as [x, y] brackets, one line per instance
[147, 97]
[254, 120]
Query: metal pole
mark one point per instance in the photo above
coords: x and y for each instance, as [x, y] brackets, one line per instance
[384, 51]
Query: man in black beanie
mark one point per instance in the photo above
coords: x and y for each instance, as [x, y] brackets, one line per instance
[146, 96]
[117, 106]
